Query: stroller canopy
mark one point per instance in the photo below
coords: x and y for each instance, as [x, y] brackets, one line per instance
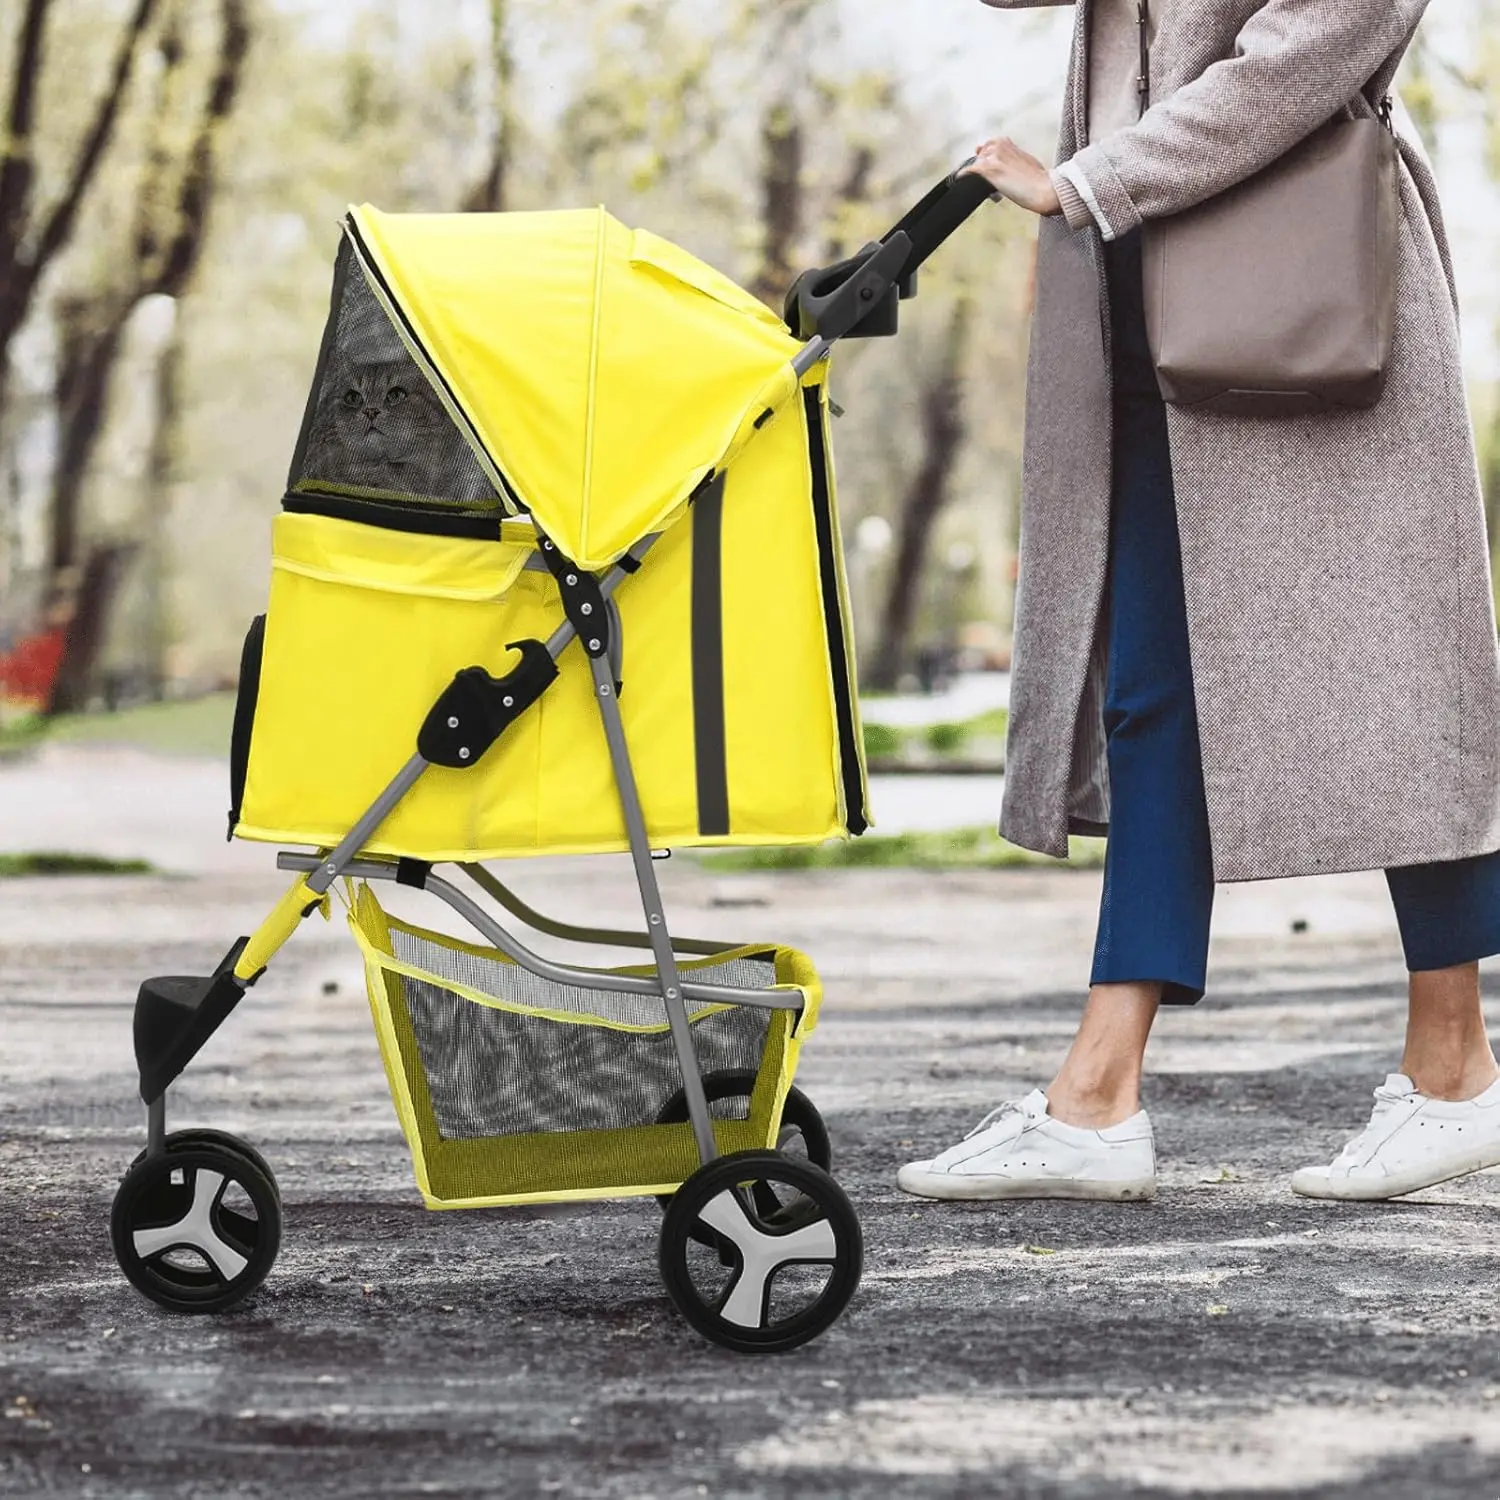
[599, 373]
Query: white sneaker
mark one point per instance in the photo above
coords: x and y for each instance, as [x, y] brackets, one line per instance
[1020, 1151]
[1411, 1142]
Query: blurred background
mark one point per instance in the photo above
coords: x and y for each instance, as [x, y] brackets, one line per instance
[168, 218]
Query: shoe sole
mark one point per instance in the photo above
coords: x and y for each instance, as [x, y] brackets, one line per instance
[1398, 1187]
[994, 1189]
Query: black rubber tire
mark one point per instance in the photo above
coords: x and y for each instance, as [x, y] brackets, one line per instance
[148, 1199]
[818, 1199]
[799, 1113]
[203, 1136]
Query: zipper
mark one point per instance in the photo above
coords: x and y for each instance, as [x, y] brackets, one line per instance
[408, 335]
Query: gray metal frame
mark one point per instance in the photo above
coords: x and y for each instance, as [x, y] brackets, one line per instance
[545, 968]
[675, 992]
[604, 937]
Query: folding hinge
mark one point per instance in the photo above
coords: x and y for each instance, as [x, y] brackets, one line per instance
[582, 599]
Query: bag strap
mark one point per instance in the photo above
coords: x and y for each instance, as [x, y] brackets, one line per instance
[1376, 89]
[1143, 78]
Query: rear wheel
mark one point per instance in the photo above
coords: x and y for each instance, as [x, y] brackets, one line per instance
[196, 1227]
[768, 1278]
[802, 1135]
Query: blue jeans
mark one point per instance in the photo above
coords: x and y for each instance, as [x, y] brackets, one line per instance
[1158, 869]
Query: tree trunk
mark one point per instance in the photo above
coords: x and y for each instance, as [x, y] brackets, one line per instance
[491, 193]
[85, 638]
[943, 430]
[27, 248]
[90, 341]
[166, 250]
[781, 202]
[156, 522]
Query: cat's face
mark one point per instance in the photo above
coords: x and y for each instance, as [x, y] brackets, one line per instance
[383, 412]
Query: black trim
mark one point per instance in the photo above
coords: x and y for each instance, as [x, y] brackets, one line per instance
[413, 872]
[426, 520]
[708, 662]
[372, 271]
[244, 717]
[858, 820]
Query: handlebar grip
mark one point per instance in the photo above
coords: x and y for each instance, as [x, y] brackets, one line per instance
[948, 206]
[858, 297]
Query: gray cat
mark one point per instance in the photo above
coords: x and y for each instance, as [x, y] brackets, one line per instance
[380, 428]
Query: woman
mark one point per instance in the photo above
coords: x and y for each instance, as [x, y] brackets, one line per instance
[1248, 647]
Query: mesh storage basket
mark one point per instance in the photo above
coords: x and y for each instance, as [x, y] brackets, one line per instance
[513, 1088]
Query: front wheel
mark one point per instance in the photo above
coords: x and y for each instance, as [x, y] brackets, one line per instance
[201, 1136]
[196, 1227]
[802, 1132]
[784, 1252]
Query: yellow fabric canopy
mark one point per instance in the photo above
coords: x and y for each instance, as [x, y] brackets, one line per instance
[604, 370]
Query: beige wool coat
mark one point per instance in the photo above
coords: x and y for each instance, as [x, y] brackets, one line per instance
[1337, 573]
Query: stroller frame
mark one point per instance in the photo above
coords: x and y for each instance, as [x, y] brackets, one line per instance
[727, 1204]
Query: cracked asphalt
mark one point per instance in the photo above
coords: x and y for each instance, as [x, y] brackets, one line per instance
[1225, 1340]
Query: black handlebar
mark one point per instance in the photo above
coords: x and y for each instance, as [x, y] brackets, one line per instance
[945, 209]
[859, 297]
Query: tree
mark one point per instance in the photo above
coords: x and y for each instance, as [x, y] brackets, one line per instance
[32, 238]
[490, 193]
[173, 198]
[944, 429]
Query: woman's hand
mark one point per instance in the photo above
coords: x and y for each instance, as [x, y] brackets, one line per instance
[1017, 174]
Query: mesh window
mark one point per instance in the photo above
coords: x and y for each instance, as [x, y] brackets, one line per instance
[496, 1073]
[374, 426]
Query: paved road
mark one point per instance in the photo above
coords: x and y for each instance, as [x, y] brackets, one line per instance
[1226, 1340]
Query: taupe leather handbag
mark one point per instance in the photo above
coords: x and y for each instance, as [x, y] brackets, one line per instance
[1278, 296]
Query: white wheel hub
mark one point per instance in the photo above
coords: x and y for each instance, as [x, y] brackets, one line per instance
[195, 1229]
[762, 1255]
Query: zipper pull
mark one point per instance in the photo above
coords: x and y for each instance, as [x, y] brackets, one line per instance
[1383, 111]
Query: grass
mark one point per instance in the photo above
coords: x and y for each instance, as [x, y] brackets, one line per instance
[887, 742]
[193, 726]
[958, 849]
[53, 862]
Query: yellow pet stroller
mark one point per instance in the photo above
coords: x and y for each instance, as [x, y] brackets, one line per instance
[526, 431]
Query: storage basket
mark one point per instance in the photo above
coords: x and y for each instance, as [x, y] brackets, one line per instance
[512, 1088]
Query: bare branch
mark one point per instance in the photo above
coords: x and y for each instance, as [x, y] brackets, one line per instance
[59, 224]
[195, 191]
[17, 170]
